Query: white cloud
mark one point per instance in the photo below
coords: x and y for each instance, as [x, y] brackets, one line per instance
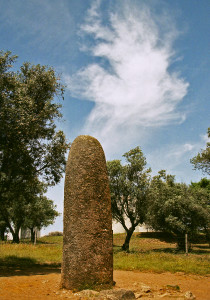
[132, 89]
[175, 158]
[205, 138]
[180, 150]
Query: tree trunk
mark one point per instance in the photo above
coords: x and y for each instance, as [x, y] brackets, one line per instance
[35, 236]
[186, 243]
[181, 244]
[129, 232]
[32, 235]
[16, 239]
[15, 233]
[2, 232]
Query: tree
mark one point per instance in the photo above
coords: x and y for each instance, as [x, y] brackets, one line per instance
[3, 228]
[202, 160]
[176, 207]
[30, 145]
[129, 186]
[204, 185]
[41, 213]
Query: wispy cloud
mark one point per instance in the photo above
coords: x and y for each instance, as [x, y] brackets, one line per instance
[205, 138]
[130, 82]
[175, 158]
[180, 150]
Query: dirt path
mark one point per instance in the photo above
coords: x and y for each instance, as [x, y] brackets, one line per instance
[44, 284]
[198, 285]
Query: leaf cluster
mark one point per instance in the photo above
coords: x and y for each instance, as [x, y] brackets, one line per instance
[177, 207]
[30, 144]
[32, 150]
[129, 184]
[202, 160]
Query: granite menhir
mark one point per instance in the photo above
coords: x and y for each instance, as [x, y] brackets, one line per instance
[87, 240]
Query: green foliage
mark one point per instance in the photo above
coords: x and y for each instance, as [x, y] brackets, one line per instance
[3, 228]
[39, 212]
[30, 147]
[203, 183]
[52, 239]
[129, 186]
[55, 233]
[176, 207]
[161, 202]
[202, 160]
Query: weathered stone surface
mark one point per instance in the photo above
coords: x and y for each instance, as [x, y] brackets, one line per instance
[145, 288]
[189, 295]
[116, 294]
[87, 294]
[87, 240]
[138, 295]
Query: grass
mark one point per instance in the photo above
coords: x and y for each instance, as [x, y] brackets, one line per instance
[157, 252]
[47, 251]
[148, 252]
[161, 262]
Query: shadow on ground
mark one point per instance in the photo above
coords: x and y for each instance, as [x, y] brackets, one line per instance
[25, 266]
[203, 250]
[177, 251]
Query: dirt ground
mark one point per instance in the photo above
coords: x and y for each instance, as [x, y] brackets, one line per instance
[44, 283]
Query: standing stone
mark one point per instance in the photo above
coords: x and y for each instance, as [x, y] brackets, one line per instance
[87, 240]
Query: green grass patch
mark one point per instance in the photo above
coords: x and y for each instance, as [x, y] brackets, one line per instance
[157, 252]
[148, 252]
[162, 262]
[48, 250]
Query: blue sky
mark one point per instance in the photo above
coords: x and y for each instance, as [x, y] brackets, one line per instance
[136, 73]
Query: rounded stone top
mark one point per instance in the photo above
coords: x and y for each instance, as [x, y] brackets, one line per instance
[85, 139]
[86, 148]
[86, 165]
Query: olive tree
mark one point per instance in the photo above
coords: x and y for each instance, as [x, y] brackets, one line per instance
[39, 213]
[176, 207]
[30, 145]
[129, 184]
[202, 160]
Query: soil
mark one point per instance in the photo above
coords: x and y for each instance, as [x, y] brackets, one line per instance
[43, 282]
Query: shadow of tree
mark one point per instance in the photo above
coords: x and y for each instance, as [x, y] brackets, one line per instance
[200, 250]
[162, 236]
[171, 251]
[203, 246]
[118, 249]
[25, 266]
[39, 242]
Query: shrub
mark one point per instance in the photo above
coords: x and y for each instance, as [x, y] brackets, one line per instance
[55, 233]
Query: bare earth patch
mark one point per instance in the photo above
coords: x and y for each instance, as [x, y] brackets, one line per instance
[44, 283]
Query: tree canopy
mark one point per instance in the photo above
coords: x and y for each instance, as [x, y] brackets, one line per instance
[157, 201]
[31, 149]
[39, 212]
[202, 160]
[129, 186]
[176, 207]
